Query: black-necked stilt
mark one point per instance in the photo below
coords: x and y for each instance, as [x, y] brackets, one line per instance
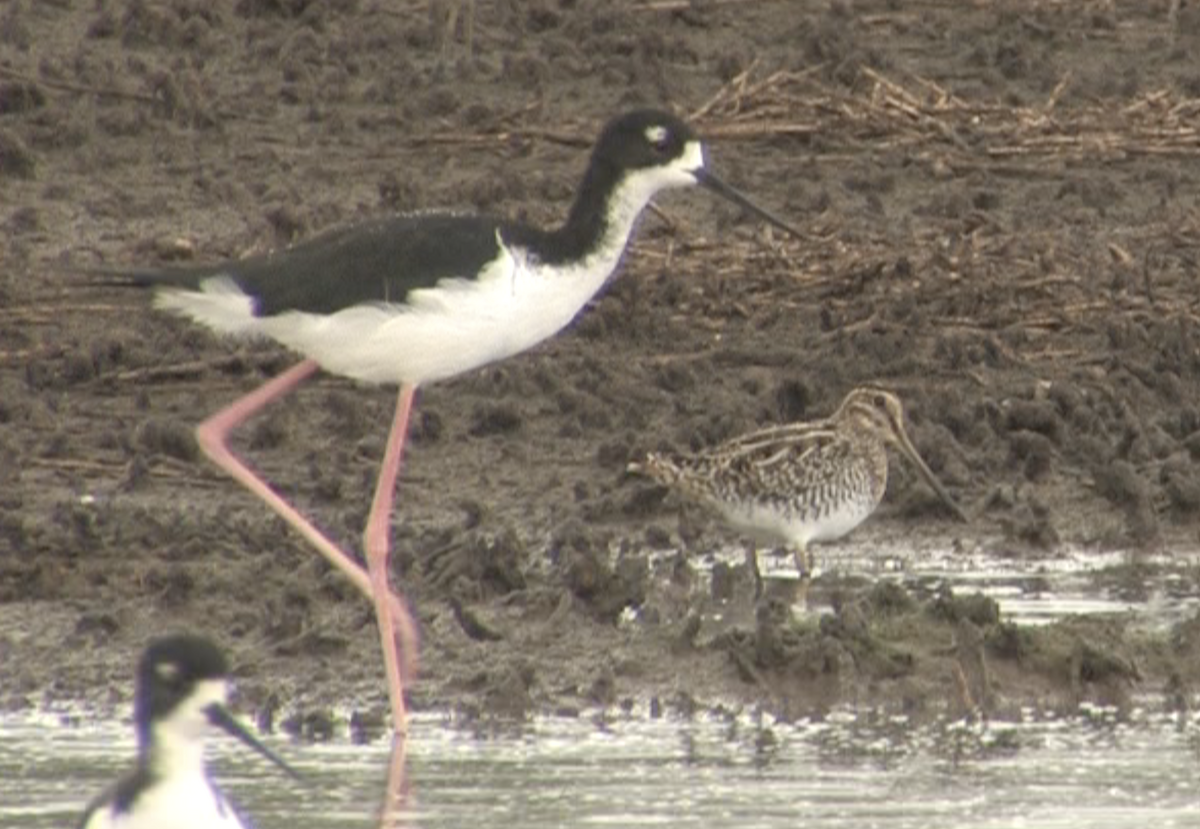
[424, 296]
[182, 684]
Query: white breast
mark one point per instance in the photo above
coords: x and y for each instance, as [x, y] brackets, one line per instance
[179, 803]
[454, 327]
[458, 325]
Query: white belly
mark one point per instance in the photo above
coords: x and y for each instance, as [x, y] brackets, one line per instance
[443, 331]
[439, 332]
[181, 803]
[770, 525]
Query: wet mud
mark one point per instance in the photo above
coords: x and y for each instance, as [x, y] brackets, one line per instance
[1000, 205]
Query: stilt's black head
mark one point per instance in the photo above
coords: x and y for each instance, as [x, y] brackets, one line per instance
[169, 672]
[661, 151]
[181, 693]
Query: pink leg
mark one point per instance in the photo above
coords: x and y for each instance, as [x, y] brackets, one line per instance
[212, 435]
[392, 812]
[377, 543]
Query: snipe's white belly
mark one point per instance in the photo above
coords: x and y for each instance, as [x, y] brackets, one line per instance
[778, 524]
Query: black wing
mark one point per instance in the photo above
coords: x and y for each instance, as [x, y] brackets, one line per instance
[120, 796]
[381, 260]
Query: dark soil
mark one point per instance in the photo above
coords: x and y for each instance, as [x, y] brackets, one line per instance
[1001, 200]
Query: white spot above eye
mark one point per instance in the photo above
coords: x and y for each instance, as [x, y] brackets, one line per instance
[657, 134]
[167, 670]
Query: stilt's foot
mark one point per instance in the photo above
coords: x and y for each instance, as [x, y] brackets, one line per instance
[396, 797]
[397, 630]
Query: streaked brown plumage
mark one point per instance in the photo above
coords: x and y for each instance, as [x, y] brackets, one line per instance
[801, 482]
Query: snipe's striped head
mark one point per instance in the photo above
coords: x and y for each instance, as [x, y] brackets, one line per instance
[875, 410]
[878, 412]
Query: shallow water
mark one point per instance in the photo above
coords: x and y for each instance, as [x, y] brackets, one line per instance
[1030, 591]
[850, 770]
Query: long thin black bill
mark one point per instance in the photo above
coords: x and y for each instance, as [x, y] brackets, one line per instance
[219, 716]
[707, 179]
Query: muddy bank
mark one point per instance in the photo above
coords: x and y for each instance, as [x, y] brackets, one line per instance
[1001, 212]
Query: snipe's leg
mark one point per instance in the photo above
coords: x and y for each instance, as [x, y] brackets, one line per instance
[804, 567]
[752, 566]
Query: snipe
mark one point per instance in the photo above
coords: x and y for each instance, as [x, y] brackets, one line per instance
[804, 482]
